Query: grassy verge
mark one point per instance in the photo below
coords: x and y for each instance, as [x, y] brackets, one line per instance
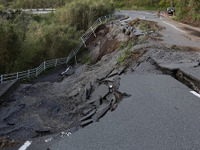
[128, 57]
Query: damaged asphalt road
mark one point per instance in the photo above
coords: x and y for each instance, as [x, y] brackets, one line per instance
[131, 96]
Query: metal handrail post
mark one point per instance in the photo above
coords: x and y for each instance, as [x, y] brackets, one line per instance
[1, 78]
[44, 65]
[56, 62]
[93, 31]
[17, 75]
[36, 70]
[100, 20]
[83, 41]
[28, 73]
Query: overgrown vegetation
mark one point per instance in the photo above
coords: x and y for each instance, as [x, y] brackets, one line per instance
[86, 60]
[127, 44]
[27, 40]
[187, 10]
[129, 56]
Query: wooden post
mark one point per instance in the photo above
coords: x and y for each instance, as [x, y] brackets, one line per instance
[17, 75]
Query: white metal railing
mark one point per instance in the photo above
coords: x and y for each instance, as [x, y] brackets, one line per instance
[55, 62]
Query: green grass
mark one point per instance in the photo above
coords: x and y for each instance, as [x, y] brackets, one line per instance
[126, 45]
[86, 60]
[124, 58]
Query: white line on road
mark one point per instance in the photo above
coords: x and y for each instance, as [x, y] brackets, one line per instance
[172, 26]
[25, 146]
[195, 93]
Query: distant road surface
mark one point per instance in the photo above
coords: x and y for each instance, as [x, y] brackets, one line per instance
[39, 11]
[174, 33]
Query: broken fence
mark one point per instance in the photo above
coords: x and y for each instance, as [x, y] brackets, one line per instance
[59, 61]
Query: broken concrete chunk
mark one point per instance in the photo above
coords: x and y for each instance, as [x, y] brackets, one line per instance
[128, 32]
[104, 75]
[134, 66]
[113, 73]
[121, 70]
[138, 32]
[69, 71]
[85, 112]
[116, 83]
[88, 116]
[89, 86]
[110, 97]
[84, 97]
[102, 91]
[43, 130]
[101, 111]
[84, 123]
[98, 102]
[90, 101]
[110, 79]
[87, 93]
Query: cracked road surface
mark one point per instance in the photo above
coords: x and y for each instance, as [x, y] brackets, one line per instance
[175, 33]
[160, 114]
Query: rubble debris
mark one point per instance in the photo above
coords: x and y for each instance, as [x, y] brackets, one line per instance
[113, 73]
[43, 130]
[88, 115]
[138, 32]
[116, 83]
[85, 112]
[8, 143]
[113, 103]
[86, 122]
[110, 97]
[102, 91]
[69, 71]
[121, 70]
[98, 102]
[108, 80]
[104, 75]
[101, 111]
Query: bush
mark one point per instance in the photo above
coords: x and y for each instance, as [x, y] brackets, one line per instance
[82, 13]
[27, 40]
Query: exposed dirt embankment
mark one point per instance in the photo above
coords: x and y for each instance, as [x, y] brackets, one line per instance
[190, 21]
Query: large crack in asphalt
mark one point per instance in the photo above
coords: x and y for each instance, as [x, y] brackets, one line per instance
[182, 77]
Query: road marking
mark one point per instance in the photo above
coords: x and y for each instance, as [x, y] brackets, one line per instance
[25, 146]
[172, 26]
[195, 93]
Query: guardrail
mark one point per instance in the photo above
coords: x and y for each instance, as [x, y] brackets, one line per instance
[55, 62]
